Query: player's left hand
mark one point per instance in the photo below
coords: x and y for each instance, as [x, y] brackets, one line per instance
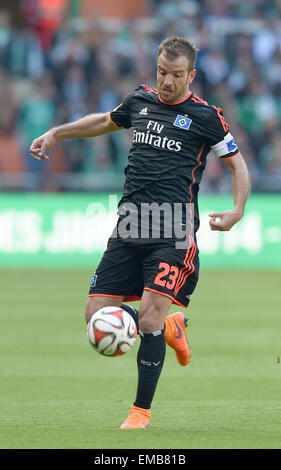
[224, 221]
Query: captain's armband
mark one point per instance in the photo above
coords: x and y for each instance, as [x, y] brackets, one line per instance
[226, 147]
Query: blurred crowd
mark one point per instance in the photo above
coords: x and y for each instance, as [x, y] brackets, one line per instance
[80, 65]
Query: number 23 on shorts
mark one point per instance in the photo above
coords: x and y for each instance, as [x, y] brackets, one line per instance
[165, 270]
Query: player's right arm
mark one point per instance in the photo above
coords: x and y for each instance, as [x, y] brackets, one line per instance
[91, 125]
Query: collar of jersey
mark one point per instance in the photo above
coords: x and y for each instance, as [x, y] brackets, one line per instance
[173, 104]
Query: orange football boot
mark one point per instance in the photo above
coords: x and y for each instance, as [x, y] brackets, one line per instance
[137, 418]
[176, 338]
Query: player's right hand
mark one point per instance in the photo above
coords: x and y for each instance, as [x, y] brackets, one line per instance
[40, 145]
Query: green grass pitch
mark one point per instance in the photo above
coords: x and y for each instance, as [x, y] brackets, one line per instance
[57, 392]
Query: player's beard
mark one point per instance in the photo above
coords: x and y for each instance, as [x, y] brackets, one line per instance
[169, 95]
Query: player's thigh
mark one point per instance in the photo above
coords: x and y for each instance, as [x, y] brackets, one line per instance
[172, 272]
[118, 275]
[119, 270]
[96, 302]
[153, 310]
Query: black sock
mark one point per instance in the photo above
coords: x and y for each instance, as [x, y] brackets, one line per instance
[133, 312]
[150, 361]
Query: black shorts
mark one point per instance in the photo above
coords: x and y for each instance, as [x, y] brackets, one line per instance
[128, 267]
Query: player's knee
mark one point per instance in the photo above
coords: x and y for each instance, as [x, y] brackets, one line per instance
[88, 311]
[146, 325]
[150, 320]
[92, 306]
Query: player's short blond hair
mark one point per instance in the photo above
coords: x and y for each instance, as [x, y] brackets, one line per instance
[177, 46]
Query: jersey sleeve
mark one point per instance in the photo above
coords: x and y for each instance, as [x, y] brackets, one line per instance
[121, 115]
[218, 136]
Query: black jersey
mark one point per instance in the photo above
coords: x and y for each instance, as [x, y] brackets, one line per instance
[169, 148]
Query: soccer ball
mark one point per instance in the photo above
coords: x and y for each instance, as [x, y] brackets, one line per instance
[112, 331]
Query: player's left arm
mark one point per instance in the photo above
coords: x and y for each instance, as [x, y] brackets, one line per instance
[224, 221]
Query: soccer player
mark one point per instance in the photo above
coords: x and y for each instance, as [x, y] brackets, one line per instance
[173, 132]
